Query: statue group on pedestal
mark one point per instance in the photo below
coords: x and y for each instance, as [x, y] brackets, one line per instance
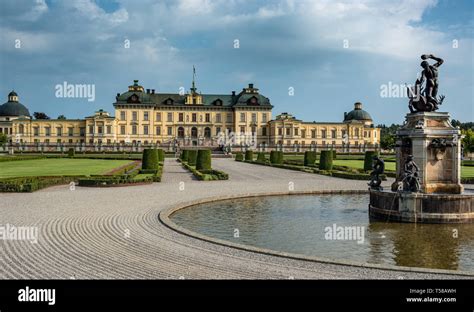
[378, 167]
[423, 95]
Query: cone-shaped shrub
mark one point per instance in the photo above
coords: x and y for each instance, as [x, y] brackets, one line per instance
[261, 158]
[150, 159]
[309, 158]
[276, 157]
[184, 155]
[71, 152]
[249, 155]
[368, 160]
[203, 161]
[192, 157]
[333, 154]
[325, 161]
[161, 155]
[239, 157]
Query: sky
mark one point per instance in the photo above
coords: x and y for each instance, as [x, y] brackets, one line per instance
[312, 58]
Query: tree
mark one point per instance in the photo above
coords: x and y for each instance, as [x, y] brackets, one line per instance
[3, 139]
[40, 115]
[387, 136]
[62, 117]
[468, 140]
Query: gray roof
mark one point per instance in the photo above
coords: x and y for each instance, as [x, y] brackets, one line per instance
[13, 109]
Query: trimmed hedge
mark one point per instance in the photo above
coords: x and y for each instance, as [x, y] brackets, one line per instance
[31, 184]
[239, 157]
[192, 157]
[203, 161]
[261, 158]
[325, 162]
[276, 157]
[309, 158]
[368, 160]
[71, 152]
[150, 159]
[184, 155]
[334, 154]
[249, 155]
[15, 158]
[206, 175]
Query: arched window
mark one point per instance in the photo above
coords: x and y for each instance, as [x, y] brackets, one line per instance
[207, 132]
[194, 132]
[180, 132]
[22, 129]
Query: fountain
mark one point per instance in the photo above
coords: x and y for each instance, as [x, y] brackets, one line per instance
[428, 185]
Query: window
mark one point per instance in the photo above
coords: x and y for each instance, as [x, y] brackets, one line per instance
[194, 117]
[288, 131]
[58, 141]
[100, 129]
[254, 117]
[264, 131]
[91, 129]
[218, 118]
[242, 129]
[59, 131]
[280, 131]
[229, 117]
[323, 133]
[122, 129]
[134, 130]
[145, 116]
[303, 133]
[296, 131]
[170, 117]
[207, 132]
[70, 131]
[254, 130]
[333, 133]
[134, 116]
[170, 131]
[242, 117]
[313, 133]
[70, 141]
[356, 132]
[158, 117]
[181, 117]
[47, 131]
[145, 129]
[208, 118]
[109, 129]
[158, 130]
[122, 115]
[264, 117]
[82, 131]
[218, 130]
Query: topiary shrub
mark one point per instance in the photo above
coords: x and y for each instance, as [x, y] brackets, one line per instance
[239, 157]
[249, 155]
[161, 155]
[325, 161]
[203, 161]
[334, 154]
[276, 157]
[71, 152]
[368, 160]
[261, 158]
[184, 155]
[192, 157]
[150, 159]
[309, 158]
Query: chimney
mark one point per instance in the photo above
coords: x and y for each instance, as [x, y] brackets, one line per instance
[233, 93]
[152, 91]
[148, 91]
[250, 85]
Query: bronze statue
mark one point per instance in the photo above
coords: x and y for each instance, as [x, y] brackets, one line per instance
[378, 167]
[410, 178]
[423, 98]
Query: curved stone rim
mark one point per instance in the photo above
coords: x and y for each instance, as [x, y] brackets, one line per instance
[164, 218]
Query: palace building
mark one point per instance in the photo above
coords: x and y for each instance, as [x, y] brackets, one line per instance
[143, 117]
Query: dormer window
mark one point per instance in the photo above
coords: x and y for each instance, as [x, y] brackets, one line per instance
[169, 101]
[253, 101]
[218, 102]
[133, 99]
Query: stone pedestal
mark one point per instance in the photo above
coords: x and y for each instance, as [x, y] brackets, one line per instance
[436, 148]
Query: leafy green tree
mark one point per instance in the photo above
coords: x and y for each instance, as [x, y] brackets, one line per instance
[61, 117]
[468, 140]
[3, 139]
[387, 136]
[40, 115]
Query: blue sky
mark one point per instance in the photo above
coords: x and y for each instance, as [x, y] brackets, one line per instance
[282, 44]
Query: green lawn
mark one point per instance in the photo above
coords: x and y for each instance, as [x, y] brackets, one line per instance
[58, 167]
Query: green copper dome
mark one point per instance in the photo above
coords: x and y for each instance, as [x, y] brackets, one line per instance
[13, 108]
[357, 114]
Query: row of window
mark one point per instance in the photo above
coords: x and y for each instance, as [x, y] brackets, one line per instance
[324, 133]
[207, 130]
[315, 143]
[59, 131]
[194, 117]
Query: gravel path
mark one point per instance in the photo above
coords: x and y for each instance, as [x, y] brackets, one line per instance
[90, 233]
